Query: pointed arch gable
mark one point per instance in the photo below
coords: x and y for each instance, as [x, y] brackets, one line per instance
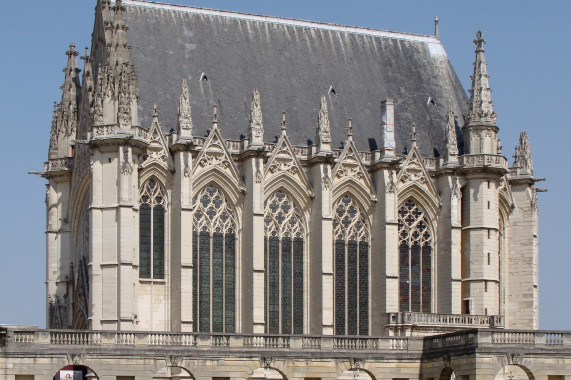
[229, 186]
[426, 200]
[283, 161]
[358, 192]
[414, 174]
[157, 150]
[215, 155]
[350, 167]
[160, 172]
[291, 186]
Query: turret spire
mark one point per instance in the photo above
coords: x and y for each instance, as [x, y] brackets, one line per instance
[256, 125]
[323, 133]
[184, 130]
[64, 124]
[119, 50]
[523, 162]
[451, 153]
[481, 106]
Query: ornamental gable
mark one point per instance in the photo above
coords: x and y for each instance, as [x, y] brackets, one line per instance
[283, 161]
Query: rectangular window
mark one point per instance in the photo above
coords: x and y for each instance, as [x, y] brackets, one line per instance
[145, 241]
[298, 286]
[204, 282]
[340, 287]
[352, 291]
[158, 242]
[24, 377]
[489, 258]
[415, 278]
[467, 306]
[217, 282]
[273, 286]
[230, 276]
[195, 279]
[363, 288]
[286, 285]
[404, 289]
[489, 233]
[488, 205]
[486, 286]
[426, 279]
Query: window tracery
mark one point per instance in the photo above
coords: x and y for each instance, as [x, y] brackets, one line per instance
[214, 254]
[152, 212]
[415, 259]
[351, 237]
[284, 253]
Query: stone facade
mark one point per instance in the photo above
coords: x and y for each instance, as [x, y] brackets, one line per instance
[178, 237]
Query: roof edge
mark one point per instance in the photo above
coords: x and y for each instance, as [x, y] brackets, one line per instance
[287, 21]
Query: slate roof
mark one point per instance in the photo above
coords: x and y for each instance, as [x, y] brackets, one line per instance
[292, 63]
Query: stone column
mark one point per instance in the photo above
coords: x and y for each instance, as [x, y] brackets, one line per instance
[321, 296]
[252, 263]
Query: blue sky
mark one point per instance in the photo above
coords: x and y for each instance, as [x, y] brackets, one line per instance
[529, 58]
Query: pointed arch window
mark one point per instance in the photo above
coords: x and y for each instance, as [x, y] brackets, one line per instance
[415, 259]
[214, 255]
[152, 210]
[351, 239]
[284, 254]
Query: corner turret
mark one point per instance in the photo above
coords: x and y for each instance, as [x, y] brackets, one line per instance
[65, 116]
[480, 129]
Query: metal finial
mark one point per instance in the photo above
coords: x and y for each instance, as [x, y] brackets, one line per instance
[215, 115]
[479, 41]
[350, 128]
[284, 123]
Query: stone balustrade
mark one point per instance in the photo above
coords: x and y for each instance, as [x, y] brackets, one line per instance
[484, 160]
[37, 337]
[445, 320]
[59, 164]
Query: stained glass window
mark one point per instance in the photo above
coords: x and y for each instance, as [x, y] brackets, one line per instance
[351, 243]
[152, 211]
[415, 259]
[214, 255]
[284, 253]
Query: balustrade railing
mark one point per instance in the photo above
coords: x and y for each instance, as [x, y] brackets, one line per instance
[479, 160]
[443, 320]
[475, 337]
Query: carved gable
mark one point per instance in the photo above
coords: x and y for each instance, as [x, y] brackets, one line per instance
[215, 154]
[350, 166]
[157, 151]
[414, 173]
[284, 161]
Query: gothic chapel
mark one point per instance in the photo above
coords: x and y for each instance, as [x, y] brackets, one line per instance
[217, 172]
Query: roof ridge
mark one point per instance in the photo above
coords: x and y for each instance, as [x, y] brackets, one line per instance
[287, 21]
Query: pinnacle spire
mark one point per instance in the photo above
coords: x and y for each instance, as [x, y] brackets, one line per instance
[523, 162]
[284, 123]
[71, 87]
[451, 147]
[388, 127]
[184, 113]
[65, 117]
[481, 106]
[119, 50]
[350, 130]
[256, 126]
[323, 133]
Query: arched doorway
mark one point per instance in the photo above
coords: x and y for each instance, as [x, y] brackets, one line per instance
[75, 372]
[173, 373]
[514, 372]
